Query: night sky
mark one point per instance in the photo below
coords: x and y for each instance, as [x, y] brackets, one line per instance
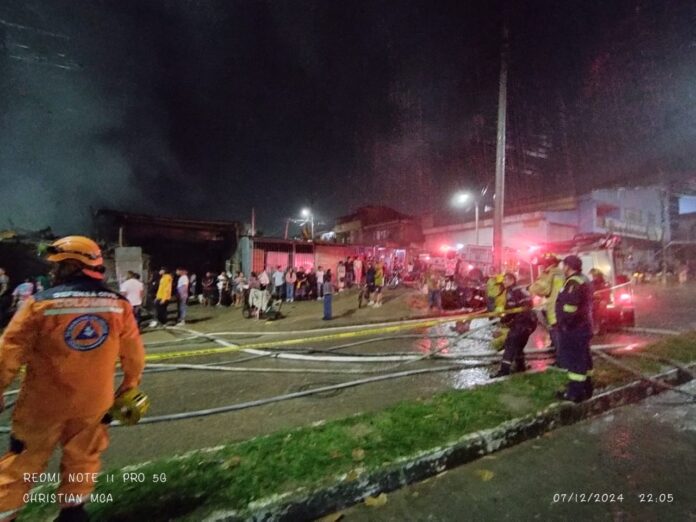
[205, 109]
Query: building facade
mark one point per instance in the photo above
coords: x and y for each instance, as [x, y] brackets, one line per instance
[379, 227]
[640, 216]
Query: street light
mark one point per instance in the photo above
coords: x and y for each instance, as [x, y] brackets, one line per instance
[308, 214]
[460, 199]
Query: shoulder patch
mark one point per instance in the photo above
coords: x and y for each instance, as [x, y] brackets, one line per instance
[86, 332]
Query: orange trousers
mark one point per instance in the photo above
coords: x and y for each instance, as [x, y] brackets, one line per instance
[83, 440]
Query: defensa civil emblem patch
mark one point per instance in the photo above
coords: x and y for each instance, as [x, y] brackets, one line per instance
[86, 333]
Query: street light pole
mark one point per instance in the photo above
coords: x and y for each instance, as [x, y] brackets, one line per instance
[476, 219]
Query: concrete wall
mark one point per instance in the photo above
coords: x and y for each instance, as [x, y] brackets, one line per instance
[586, 216]
[128, 258]
[639, 213]
[328, 256]
[519, 232]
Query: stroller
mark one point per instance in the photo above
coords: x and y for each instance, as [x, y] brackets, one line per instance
[261, 304]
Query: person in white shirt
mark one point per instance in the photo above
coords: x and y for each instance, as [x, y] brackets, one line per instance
[182, 293]
[193, 283]
[133, 290]
[320, 283]
[222, 282]
[278, 282]
[264, 280]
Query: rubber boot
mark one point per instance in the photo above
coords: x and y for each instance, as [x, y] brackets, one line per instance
[575, 391]
[521, 366]
[589, 388]
[502, 372]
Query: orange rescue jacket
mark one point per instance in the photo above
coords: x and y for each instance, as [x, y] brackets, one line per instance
[70, 337]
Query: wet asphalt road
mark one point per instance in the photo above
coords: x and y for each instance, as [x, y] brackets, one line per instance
[671, 307]
[633, 463]
[182, 391]
[179, 391]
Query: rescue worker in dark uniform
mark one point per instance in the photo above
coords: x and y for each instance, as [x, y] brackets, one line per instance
[574, 313]
[521, 322]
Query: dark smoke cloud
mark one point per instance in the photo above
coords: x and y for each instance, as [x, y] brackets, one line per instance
[82, 126]
[208, 108]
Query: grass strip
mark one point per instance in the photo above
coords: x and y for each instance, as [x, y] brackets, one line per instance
[236, 474]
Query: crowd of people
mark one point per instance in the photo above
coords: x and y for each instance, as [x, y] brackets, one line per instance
[222, 289]
[289, 284]
[13, 300]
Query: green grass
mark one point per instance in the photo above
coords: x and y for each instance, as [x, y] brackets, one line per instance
[239, 473]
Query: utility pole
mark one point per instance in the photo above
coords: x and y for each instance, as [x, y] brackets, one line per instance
[500, 154]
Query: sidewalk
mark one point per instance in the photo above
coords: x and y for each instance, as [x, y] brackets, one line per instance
[638, 452]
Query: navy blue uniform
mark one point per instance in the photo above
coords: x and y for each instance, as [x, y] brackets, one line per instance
[521, 325]
[574, 313]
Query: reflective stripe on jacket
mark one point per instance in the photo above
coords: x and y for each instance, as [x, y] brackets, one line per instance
[518, 297]
[574, 304]
[70, 337]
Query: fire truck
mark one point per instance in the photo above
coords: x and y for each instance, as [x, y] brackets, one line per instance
[613, 306]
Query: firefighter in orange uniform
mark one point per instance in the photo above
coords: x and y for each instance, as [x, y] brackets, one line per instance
[69, 337]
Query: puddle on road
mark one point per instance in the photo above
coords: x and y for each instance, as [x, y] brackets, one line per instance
[470, 348]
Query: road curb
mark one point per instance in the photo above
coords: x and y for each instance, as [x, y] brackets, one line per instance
[342, 492]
